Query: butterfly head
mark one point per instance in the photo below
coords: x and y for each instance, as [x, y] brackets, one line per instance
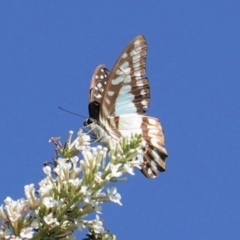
[88, 122]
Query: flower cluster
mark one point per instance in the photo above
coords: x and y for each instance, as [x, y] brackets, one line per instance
[72, 190]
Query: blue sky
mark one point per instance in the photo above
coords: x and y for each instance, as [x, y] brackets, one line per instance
[48, 52]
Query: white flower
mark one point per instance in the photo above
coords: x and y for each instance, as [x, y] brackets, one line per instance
[138, 160]
[90, 164]
[114, 196]
[88, 158]
[75, 161]
[15, 208]
[97, 225]
[1, 233]
[97, 207]
[114, 168]
[47, 170]
[29, 190]
[45, 187]
[30, 194]
[84, 190]
[128, 168]
[98, 177]
[82, 141]
[80, 224]
[62, 170]
[70, 136]
[75, 182]
[61, 161]
[5, 233]
[35, 224]
[50, 202]
[26, 233]
[50, 220]
[87, 194]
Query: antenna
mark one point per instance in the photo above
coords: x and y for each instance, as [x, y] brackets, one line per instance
[71, 112]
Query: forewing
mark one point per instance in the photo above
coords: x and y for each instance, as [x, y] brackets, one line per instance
[127, 89]
[97, 87]
[98, 83]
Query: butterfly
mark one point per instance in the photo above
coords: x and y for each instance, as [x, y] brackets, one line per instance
[118, 102]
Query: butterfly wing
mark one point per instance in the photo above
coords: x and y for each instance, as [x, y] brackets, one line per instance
[97, 86]
[154, 153]
[119, 100]
[127, 90]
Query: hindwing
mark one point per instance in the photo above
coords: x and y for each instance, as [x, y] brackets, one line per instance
[127, 90]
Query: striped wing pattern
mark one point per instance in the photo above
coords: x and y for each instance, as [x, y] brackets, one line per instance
[118, 102]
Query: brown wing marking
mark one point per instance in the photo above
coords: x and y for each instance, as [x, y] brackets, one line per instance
[154, 151]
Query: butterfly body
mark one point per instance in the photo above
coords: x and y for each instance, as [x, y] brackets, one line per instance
[118, 102]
